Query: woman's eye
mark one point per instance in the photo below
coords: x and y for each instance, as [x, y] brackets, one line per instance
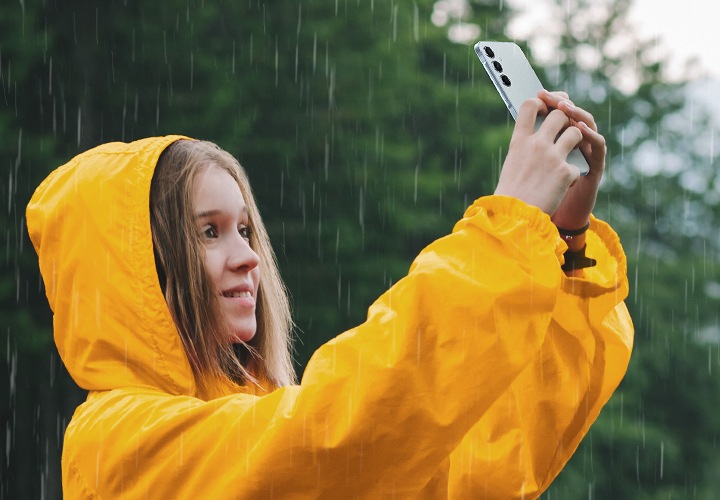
[210, 232]
[246, 232]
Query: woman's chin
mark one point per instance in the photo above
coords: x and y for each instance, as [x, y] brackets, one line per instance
[242, 335]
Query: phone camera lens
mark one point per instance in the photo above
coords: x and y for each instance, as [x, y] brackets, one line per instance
[489, 52]
[498, 67]
[505, 80]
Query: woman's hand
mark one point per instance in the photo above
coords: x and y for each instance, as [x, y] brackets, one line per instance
[536, 170]
[574, 210]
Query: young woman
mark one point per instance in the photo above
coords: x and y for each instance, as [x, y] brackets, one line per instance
[474, 376]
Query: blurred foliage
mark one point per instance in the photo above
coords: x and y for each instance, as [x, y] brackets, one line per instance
[657, 437]
[356, 122]
[365, 133]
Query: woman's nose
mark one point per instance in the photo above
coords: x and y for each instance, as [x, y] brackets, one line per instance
[242, 256]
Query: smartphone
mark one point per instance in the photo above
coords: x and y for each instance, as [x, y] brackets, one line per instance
[516, 81]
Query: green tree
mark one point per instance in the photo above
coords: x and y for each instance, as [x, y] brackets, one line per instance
[657, 437]
[361, 126]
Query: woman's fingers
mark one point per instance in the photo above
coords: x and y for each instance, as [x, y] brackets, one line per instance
[535, 168]
[593, 147]
[527, 115]
[556, 128]
[593, 144]
[552, 99]
[591, 135]
[554, 124]
[569, 139]
[560, 100]
[577, 114]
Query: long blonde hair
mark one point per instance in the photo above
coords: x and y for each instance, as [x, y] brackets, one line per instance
[190, 294]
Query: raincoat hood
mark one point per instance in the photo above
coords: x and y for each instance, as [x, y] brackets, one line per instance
[89, 222]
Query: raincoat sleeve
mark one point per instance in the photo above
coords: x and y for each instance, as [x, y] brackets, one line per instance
[523, 441]
[381, 407]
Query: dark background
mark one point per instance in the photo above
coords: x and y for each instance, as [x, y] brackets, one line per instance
[366, 132]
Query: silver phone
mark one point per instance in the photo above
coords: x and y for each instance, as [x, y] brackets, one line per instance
[516, 81]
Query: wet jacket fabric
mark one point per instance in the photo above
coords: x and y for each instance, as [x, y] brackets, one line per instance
[475, 376]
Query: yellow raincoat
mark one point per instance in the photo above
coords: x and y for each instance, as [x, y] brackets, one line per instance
[475, 376]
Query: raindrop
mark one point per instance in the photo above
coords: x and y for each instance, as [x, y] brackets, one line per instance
[416, 22]
[637, 464]
[13, 369]
[9, 208]
[282, 188]
[41, 102]
[112, 65]
[339, 287]
[361, 210]
[709, 360]
[22, 244]
[54, 117]
[314, 52]
[277, 62]
[327, 158]
[18, 158]
[192, 69]
[337, 244]
[124, 114]
[348, 297]
[64, 114]
[417, 171]
[8, 442]
[444, 67]
[157, 108]
[251, 49]
[165, 46]
[79, 126]
[394, 22]
[297, 58]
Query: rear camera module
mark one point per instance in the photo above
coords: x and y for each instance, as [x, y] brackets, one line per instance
[489, 52]
[505, 80]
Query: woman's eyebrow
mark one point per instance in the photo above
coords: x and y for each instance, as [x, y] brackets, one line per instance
[207, 213]
[213, 212]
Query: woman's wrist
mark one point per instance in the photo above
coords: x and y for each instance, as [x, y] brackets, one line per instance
[574, 243]
[575, 258]
[574, 238]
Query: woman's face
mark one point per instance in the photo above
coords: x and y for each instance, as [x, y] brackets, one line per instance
[222, 218]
